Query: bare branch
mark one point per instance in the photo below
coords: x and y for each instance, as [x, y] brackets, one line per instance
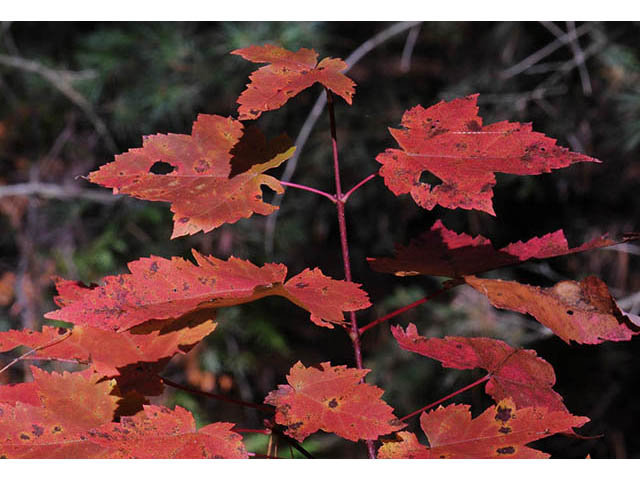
[62, 80]
[544, 52]
[52, 190]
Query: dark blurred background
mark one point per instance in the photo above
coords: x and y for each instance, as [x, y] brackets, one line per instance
[74, 94]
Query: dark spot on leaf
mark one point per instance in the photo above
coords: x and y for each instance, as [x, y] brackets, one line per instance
[505, 430]
[333, 403]
[201, 167]
[569, 312]
[154, 267]
[161, 168]
[184, 220]
[62, 331]
[443, 456]
[57, 429]
[506, 450]
[24, 436]
[458, 346]
[295, 426]
[503, 414]
[473, 126]
[37, 430]
[301, 285]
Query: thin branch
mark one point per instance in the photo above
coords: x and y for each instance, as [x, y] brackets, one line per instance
[53, 190]
[314, 115]
[407, 51]
[344, 243]
[566, 67]
[251, 430]
[446, 287]
[544, 52]
[222, 398]
[62, 80]
[578, 54]
[310, 189]
[438, 402]
[34, 350]
[346, 196]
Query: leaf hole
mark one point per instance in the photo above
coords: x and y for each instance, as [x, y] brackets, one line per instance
[569, 312]
[161, 168]
[429, 178]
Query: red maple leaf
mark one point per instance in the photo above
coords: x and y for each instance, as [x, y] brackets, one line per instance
[287, 74]
[449, 141]
[67, 404]
[584, 312]
[515, 373]
[332, 399]
[160, 288]
[158, 432]
[106, 350]
[444, 253]
[202, 181]
[501, 431]
[155, 432]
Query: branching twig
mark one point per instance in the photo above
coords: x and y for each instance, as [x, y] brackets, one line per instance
[62, 80]
[544, 52]
[314, 115]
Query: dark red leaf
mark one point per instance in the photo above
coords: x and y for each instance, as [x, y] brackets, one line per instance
[444, 253]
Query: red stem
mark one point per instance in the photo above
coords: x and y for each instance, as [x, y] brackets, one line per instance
[251, 430]
[463, 389]
[346, 196]
[447, 286]
[222, 398]
[309, 189]
[344, 244]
